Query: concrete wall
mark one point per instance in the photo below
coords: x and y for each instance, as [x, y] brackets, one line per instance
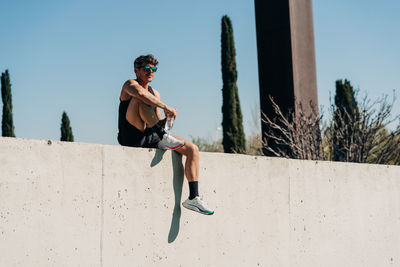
[75, 204]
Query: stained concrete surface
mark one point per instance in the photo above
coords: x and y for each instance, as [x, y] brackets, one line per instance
[76, 204]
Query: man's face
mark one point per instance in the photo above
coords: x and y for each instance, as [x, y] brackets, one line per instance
[145, 73]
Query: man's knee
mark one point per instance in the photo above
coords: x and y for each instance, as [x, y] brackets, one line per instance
[194, 150]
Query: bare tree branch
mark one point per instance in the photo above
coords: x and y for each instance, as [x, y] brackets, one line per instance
[364, 138]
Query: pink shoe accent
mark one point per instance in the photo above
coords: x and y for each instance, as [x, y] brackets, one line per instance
[176, 147]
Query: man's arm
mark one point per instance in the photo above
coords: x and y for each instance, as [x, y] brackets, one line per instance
[158, 112]
[133, 88]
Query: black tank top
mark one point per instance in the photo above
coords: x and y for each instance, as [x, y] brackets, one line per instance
[127, 133]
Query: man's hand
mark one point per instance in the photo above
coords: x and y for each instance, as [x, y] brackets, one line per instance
[170, 112]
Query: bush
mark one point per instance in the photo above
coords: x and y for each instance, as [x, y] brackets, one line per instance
[369, 139]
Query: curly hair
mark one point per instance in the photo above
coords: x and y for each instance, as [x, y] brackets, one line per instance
[143, 60]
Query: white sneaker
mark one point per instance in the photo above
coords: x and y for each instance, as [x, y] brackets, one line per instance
[198, 205]
[170, 142]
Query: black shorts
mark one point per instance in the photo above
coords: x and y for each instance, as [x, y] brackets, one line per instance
[136, 138]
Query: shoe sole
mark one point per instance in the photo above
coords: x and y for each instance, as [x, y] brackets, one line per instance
[197, 209]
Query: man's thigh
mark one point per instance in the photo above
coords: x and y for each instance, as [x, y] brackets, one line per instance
[133, 114]
[187, 148]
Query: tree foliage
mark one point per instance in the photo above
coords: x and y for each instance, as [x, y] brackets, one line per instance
[232, 122]
[7, 125]
[368, 139]
[66, 130]
[205, 145]
[365, 134]
[346, 113]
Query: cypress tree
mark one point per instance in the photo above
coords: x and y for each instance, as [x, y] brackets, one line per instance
[66, 130]
[241, 139]
[7, 125]
[346, 113]
[232, 124]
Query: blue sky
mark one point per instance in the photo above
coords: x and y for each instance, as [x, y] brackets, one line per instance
[75, 56]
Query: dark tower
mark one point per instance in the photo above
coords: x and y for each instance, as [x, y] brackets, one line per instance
[286, 56]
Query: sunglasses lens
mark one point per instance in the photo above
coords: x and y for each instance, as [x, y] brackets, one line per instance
[148, 68]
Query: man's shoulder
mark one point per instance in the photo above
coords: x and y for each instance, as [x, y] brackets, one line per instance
[130, 82]
[125, 95]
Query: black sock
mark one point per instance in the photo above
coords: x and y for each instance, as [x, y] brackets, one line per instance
[194, 189]
[159, 130]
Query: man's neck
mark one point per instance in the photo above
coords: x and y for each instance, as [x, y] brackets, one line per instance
[145, 85]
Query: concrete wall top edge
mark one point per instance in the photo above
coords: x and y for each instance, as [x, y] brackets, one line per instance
[19, 141]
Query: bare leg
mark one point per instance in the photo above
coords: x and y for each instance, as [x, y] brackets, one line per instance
[147, 114]
[191, 151]
[140, 114]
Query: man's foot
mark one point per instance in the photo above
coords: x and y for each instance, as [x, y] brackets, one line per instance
[197, 204]
[170, 142]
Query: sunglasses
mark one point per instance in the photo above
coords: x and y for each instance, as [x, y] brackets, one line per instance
[148, 68]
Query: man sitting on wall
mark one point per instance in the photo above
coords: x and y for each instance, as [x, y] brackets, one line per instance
[140, 124]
